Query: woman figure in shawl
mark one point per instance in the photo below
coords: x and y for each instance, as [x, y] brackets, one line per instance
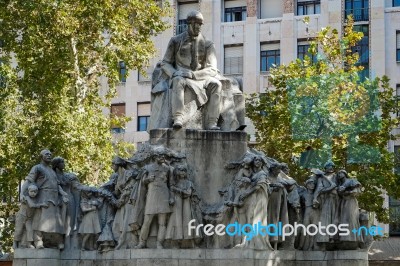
[327, 197]
[182, 211]
[348, 191]
[257, 196]
[71, 185]
[129, 237]
[277, 205]
[119, 167]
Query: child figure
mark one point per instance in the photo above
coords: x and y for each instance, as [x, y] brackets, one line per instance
[90, 225]
[25, 216]
[310, 216]
[183, 212]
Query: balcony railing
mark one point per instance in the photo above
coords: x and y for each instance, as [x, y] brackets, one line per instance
[359, 14]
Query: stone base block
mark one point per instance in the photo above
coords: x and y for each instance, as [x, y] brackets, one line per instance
[207, 152]
[190, 257]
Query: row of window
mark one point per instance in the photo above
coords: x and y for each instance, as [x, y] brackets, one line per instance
[237, 11]
[270, 56]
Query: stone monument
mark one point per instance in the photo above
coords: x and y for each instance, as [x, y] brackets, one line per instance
[177, 198]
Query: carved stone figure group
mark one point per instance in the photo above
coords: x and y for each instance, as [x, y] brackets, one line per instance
[149, 201]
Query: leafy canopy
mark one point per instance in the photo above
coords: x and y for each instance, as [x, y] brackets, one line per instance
[321, 110]
[56, 58]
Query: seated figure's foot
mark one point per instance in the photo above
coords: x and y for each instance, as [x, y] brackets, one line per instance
[60, 246]
[213, 127]
[159, 245]
[177, 125]
[39, 245]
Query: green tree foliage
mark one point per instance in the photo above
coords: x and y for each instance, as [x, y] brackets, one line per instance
[56, 58]
[323, 108]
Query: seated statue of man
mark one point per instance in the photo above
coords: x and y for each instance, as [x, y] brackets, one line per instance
[190, 63]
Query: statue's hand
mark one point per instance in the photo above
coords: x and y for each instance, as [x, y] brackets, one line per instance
[65, 199]
[183, 73]
[171, 201]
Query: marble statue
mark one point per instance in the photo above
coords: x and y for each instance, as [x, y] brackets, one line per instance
[128, 237]
[155, 185]
[277, 204]
[70, 184]
[24, 217]
[122, 192]
[327, 197]
[90, 225]
[47, 220]
[182, 210]
[310, 214]
[152, 196]
[188, 89]
[258, 196]
[107, 209]
[348, 211]
[237, 193]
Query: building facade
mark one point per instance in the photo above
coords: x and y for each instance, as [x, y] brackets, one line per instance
[252, 35]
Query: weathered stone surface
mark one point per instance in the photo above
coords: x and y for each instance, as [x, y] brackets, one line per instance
[204, 150]
[195, 257]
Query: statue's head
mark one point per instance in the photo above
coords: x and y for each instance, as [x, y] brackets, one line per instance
[45, 155]
[58, 163]
[181, 171]
[32, 190]
[342, 174]
[118, 162]
[194, 21]
[159, 154]
[275, 168]
[310, 183]
[329, 167]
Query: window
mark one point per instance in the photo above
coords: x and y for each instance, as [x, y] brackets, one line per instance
[398, 99]
[182, 26]
[235, 10]
[394, 215]
[308, 7]
[235, 14]
[122, 71]
[358, 8]
[398, 46]
[270, 55]
[117, 110]
[143, 115]
[302, 51]
[183, 10]
[396, 2]
[362, 48]
[394, 204]
[233, 60]
[142, 123]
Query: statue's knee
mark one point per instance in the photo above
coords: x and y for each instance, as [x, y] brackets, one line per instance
[216, 86]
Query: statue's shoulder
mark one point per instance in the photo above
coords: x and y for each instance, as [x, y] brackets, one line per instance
[208, 44]
[178, 38]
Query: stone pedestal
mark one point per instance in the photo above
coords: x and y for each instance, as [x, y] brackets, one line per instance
[189, 257]
[207, 152]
